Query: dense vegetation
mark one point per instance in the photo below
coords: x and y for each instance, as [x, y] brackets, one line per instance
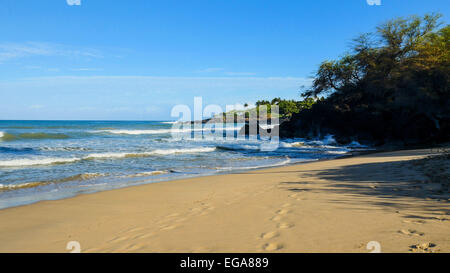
[392, 87]
[287, 108]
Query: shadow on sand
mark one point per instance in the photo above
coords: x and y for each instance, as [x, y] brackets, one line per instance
[394, 185]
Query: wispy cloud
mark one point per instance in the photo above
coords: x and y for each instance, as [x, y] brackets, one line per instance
[9, 51]
[86, 69]
[210, 70]
[240, 73]
[223, 71]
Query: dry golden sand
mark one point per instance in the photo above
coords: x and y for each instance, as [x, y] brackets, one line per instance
[327, 206]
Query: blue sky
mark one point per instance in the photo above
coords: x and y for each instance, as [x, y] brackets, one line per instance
[135, 60]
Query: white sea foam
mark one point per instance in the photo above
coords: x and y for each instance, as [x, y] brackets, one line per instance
[1, 134]
[147, 173]
[339, 152]
[267, 126]
[182, 151]
[19, 186]
[109, 155]
[327, 141]
[169, 122]
[36, 161]
[292, 145]
[53, 160]
[154, 152]
[145, 132]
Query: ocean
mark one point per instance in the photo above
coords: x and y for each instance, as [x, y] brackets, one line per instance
[48, 160]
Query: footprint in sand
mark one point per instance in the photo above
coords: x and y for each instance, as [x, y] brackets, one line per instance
[270, 235]
[276, 218]
[179, 220]
[411, 232]
[131, 248]
[272, 246]
[118, 239]
[295, 196]
[135, 229]
[207, 210]
[169, 227]
[203, 209]
[146, 235]
[283, 212]
[424, 248]
[285, 225]
[196, 209]
[172, 215]
[142, 235]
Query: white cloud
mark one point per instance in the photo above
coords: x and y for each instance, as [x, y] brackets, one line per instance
[73, 2]
[224, 72]
[210, 70]
[240, 73]
[10, 51]
[86, 69]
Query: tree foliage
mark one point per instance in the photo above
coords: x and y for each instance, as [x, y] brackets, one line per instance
[399, 72]
[287, 108]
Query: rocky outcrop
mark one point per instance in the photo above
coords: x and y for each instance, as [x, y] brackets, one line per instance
[373, 128]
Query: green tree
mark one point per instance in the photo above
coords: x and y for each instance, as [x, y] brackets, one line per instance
[395, 81]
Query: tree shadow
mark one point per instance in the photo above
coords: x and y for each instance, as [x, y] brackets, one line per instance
[394, 185]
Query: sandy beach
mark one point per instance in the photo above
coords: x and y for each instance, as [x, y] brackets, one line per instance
[326, 206]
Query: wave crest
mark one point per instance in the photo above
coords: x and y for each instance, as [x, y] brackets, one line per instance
[36, 161]
[78, 177]
[148, 173]
[54, 160]
[6, 187]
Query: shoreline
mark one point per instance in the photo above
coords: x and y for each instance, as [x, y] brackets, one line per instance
[293, 208]
[170, 179]
[165, 180]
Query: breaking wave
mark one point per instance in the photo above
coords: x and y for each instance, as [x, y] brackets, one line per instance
[55, 160]
[147, 173]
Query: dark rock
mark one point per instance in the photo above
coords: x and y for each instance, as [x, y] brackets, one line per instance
[366, 127]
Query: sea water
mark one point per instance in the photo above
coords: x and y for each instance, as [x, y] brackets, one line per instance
[47, 160]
